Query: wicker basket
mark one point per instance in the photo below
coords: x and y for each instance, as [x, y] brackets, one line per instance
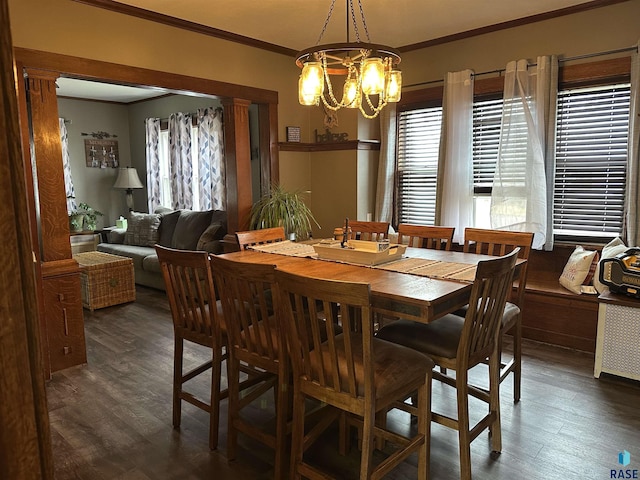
[105, 279]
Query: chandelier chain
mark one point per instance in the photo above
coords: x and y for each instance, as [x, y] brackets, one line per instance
[353, 20]
[326, 22]
[364, 22]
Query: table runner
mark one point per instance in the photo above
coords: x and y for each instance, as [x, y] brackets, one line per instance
[462, 272]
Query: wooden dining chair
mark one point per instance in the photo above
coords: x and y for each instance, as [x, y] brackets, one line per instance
[374, 231]
[197, 318]
[426, 236]
[459, 344]
[258, 237]
[255, 339]
[350, 370]
[500, 242]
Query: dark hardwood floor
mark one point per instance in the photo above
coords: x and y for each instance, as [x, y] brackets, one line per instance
[111, 418]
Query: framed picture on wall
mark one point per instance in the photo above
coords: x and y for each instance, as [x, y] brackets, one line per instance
[293, 134]
[101, 153]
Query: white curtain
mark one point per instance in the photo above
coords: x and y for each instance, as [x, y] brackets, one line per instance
[632, 200]
[180, 168]
[66, 167]
[386, 165]
[521, 191]
[152, 131]
[455, 183]
[211, 168]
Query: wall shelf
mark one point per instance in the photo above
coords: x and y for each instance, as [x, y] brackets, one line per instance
[329, 146]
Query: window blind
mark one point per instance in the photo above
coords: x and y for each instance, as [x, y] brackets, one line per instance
[487, 117]
[591, 161]
[417, 165]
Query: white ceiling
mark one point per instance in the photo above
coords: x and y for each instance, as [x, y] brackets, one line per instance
[296, 24]
[74, 88]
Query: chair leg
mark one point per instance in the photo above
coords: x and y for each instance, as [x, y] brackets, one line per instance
[233, 372]
[344, 442]
[494, 402]
[214, 412]
[517, 359]
[424, 428]
[282, 415]
[464, 436]
[368, 438]
[297, 433]
[177, 380]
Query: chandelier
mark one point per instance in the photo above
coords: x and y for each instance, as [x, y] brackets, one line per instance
[371, 77]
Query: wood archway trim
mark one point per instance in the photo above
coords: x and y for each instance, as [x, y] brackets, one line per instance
[89, 69]
[267, 101]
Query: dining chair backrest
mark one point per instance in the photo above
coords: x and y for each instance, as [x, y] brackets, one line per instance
[257, 237]
[191, 293]
[492, 284]
[426, 236]
[246, 293]
[501, 242]
[322, 359]
[374, 231]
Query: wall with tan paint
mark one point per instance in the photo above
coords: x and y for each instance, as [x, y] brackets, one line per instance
[71, 28]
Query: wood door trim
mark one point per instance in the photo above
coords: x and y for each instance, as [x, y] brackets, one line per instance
[88, 69]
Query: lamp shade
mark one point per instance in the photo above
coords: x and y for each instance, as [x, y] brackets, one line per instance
[128, 179]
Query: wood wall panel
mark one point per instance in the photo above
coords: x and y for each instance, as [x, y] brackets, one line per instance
[54, 228]
[238, 168]
[25, 439]
[61, 315]
[65, 326]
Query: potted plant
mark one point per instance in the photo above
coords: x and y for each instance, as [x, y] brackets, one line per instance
[84, 218]
[280, 207]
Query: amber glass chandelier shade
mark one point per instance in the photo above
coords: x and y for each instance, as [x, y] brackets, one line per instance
[311, 80]
[306, 98]
[372, 76]
[351, 95]
[393, 86]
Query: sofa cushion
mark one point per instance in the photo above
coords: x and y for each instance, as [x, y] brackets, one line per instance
[151, 264]
[142, 229]
[168, 223]
[209, 241]
[135, 252]
[189, 228]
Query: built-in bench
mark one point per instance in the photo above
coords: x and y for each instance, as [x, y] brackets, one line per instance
[553, 314]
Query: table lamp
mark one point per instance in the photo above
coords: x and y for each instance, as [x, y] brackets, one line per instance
[128, 179]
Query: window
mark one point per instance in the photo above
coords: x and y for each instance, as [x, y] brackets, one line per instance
[487, 118]
[417, 170]
[591, 161]
[592, 131]
[165, 184]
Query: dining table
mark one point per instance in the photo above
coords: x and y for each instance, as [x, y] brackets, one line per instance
[395, 290]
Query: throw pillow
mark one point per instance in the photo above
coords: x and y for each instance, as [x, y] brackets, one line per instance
[576, 269]
[168, 222]
[190, 226]
[142, 229]
[610, 250]
[208, 241]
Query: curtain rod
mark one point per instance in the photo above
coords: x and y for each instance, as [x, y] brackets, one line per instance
[568, 59]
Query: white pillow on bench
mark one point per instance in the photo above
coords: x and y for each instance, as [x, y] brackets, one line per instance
[610, 250]
[577, 268]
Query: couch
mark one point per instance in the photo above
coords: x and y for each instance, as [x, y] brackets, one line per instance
[181, 229]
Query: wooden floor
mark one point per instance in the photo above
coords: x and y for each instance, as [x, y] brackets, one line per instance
[111, 418]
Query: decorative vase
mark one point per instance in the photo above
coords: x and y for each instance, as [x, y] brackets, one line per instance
[76, 222]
